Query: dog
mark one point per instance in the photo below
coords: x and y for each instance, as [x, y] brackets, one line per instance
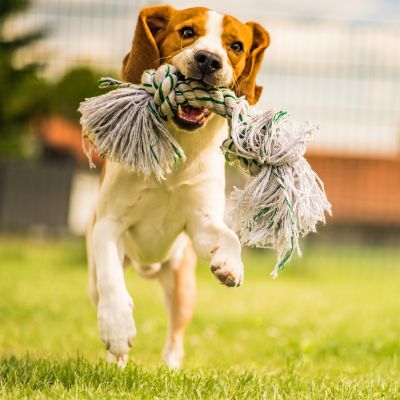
[161, 227]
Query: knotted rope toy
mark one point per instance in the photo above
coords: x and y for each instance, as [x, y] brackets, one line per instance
[284, 199]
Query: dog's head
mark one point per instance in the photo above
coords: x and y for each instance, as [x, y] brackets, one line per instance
[203, 44]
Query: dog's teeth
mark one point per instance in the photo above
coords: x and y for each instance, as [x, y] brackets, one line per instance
[200, 117]
[190, 117]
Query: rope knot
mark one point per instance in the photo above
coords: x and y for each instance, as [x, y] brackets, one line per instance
[168, 92]
[161, 84]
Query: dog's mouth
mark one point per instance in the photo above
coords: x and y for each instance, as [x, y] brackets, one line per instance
[191, 118]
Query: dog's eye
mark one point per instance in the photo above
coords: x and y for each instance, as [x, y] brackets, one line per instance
[237, 47]
[186, 32]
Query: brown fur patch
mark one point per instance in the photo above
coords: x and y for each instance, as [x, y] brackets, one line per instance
[246, 66]
[170, 42]
[144, 53]
[183, 297]
[157, 37]
[234, 30]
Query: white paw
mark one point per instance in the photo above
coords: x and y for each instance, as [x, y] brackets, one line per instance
[116, 324]
[173, 359]
[120, 362]
[227, 269]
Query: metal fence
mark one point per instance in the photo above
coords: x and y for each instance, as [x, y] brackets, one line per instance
[35, 197]
[345, 76]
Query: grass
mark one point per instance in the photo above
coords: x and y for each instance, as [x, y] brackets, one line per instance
[328, 328]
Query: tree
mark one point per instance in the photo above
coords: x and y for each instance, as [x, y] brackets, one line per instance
[26, 96]
[23, 92]
[72, 88]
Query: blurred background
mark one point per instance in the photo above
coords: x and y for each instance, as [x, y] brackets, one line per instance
[335, 64]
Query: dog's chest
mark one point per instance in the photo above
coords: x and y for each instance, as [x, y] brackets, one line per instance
[154, 213]
[155, 219]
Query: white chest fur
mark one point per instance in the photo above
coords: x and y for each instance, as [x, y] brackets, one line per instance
[154, 213]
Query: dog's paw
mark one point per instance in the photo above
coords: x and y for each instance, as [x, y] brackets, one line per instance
[173, 356]
[116, 324]
[119, 362]
[173, 359]
[227, 269]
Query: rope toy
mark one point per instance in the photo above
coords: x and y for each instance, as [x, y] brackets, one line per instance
[284, 199]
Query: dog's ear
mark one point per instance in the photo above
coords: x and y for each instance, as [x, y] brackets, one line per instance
[247, 81]
[144, 53]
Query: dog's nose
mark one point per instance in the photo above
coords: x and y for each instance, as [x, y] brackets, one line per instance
[207, 62]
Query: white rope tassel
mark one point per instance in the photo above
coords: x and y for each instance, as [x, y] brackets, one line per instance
[118, 124]
[285, 199]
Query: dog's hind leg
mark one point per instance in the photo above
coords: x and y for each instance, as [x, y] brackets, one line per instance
[179, 283]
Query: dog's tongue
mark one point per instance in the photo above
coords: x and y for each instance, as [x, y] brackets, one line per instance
[191, 114]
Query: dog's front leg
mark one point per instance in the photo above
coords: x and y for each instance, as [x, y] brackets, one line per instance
[115, 319]
[214, 241]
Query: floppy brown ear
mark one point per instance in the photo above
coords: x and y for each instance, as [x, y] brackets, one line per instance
[144, 53]
[247, 81]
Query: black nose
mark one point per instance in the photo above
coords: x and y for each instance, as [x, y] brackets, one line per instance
[208, 62]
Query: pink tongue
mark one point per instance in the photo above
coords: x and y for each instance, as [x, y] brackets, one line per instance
[191, 113]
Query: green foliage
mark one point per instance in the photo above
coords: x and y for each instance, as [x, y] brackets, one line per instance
[328, 328]
[9, 7]
[76, 85]
[23, 92]
[26, 95]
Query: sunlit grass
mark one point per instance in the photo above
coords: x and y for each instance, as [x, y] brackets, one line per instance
[329, 327]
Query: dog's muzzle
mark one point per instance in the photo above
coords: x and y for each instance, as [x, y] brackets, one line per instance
[191, 118]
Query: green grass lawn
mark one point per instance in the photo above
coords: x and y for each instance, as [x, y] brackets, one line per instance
[328, 328]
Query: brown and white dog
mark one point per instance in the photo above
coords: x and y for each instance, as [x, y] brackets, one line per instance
[160, 227]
